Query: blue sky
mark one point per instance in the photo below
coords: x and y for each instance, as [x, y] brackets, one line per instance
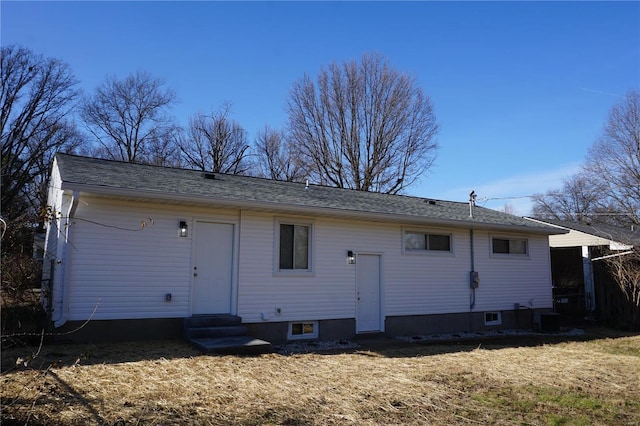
[521, 89]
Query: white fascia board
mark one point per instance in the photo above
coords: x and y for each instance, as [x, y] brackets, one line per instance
[615, 245]
[322, 211]
[559, 229]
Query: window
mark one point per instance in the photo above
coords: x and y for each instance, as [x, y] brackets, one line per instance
[294, 247]
[492, 318]
[417, 241]
[509, 246]
[303, 330]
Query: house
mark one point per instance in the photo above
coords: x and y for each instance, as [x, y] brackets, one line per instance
[582, 284]
[134, 249]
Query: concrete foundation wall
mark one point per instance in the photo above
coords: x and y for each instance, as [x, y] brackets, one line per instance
[276, 332]
[120, 330]
[337, 329]
[171, 328]
[524, 319]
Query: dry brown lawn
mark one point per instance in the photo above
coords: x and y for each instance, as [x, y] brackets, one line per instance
[509, 382]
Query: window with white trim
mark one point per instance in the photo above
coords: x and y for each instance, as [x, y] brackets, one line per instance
[492, 318]
[303, 330]
[509, 246]
[294, 246]
[415, 241]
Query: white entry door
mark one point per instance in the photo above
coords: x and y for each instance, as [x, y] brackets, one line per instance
[368, 293]
[213, 268]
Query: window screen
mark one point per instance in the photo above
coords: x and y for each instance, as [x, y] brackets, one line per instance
[294, 246]
[425, 241]
[509, 246]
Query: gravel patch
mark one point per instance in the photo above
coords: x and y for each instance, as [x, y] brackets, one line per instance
[304, 347]
[482, 334]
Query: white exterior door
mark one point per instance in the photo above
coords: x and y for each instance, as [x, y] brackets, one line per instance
[213, 268]
[368, 293]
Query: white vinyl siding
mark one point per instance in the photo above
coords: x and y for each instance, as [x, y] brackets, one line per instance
[126, 270]
[125, 258]
[412, 285]
[55, 245]
[506, 279]
[577, 239]
[327, 294]
[418, 285]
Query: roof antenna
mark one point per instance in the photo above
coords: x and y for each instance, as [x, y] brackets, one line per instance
[472, 202]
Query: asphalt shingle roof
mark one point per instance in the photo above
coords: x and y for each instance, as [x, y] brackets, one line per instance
[609, 232]
[153, 182]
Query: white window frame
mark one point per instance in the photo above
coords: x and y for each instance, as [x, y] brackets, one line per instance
[509, 238]
[307, 336]
[431, 231]
[310, 247]
[497, 321]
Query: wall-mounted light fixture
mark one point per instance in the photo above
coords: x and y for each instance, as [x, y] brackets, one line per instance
[351, 257]
[183, 229]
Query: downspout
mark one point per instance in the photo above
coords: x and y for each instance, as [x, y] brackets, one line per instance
[62, 271]
[473, 275]
[473, 281]
[237, 264]
[589, 288]
[472, 278]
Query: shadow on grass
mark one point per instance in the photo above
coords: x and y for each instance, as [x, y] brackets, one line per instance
[70, 394]
[53, 392]
[394, 348]
[60, 355]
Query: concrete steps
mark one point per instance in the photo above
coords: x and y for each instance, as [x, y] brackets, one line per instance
[232, 345]
[209, 332]
[222, 334]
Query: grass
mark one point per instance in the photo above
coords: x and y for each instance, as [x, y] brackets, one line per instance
[509, 382]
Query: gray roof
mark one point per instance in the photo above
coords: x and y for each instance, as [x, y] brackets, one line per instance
[128, 180]
[608, 232]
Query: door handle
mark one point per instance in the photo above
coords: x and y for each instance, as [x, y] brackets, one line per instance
[195, 274]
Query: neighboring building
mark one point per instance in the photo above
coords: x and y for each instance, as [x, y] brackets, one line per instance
[582, 286]
[137, 248]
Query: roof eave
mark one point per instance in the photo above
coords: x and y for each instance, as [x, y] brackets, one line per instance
[292, 208]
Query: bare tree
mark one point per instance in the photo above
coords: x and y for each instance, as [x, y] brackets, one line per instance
[216, 143]
[69, 140]
[625, 270]
[277, 157]
[614, 160]
[608, 187]
[129, 118]
[363, 125]
[509, 209]
[37, 94]
[578, 200]
[607, 190]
